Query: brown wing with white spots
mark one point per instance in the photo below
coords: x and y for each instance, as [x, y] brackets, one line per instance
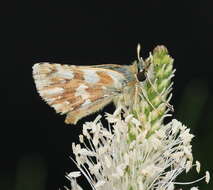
[76, 90]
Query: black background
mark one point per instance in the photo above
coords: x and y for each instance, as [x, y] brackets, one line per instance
[35, 143]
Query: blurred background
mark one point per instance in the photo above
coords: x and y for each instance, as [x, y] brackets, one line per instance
[35, 142]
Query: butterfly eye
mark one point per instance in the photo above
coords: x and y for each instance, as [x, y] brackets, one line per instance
[141, 76]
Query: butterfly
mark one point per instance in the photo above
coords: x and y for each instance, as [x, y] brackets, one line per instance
[78, 91]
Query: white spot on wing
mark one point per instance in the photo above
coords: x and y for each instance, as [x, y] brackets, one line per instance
[39, 74]
[52, 91]
[63, 71]
[87, 102]
[117, 78]
[91, 76]
[62, 107]
[57, 106]
[66, 102]
[42, 82]
[67, 74]
[50, 100]
[41, 68]
[80, 91]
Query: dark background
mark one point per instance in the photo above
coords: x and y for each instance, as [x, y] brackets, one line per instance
[35, 143]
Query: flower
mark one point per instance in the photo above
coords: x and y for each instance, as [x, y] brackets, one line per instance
[114, 161]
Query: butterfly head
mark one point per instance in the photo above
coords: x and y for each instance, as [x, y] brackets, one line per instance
[142, 67]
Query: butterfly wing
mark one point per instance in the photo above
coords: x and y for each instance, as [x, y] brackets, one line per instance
[77, 90]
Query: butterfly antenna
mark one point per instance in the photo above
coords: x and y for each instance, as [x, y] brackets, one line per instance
[138, 52]
[140, 59]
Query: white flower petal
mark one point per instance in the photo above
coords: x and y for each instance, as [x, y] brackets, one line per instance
[207, 179]
[74, 174]
[197, 166]
[194, 188]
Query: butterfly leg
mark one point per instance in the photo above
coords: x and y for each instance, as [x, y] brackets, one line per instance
[147, 99]
[164, 101]
[136, 95]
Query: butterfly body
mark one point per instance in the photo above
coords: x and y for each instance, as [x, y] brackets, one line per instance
[81, 90]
